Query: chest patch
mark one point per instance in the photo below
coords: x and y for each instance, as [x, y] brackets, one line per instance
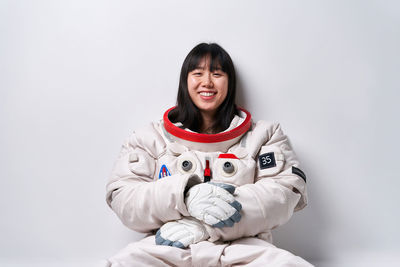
[163, 172]
[267, 160]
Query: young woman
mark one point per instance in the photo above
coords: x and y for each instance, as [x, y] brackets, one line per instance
[206, 183]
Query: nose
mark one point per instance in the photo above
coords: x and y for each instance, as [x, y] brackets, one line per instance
[207, 81]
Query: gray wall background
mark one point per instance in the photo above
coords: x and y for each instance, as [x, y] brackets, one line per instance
[76, 77]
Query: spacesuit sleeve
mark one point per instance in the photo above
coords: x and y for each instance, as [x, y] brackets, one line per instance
[279, 190]
[142, 203]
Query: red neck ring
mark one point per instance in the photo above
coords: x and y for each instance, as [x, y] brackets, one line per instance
[207, 138]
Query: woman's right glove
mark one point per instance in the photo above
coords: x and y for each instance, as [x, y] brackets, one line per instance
[214, 204]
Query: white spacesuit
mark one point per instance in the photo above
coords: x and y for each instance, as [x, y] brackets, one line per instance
[160, 164]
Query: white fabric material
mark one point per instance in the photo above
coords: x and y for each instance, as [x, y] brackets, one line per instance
[144, 202]
[250, 251]
[186, 231]
[209, 203]
[236, 121]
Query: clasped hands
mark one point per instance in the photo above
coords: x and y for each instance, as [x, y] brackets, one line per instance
[209, 203]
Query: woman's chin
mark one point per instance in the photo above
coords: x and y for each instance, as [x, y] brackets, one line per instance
[208, 109]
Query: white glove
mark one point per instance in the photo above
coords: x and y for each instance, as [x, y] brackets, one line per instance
[181, 233]
[213, 204]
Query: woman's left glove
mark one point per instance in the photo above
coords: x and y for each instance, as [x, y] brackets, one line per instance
[181, 233]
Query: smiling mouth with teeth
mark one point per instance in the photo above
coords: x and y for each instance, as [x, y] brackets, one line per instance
[207, 93]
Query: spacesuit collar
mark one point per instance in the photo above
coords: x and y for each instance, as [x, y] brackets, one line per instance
[208, 142]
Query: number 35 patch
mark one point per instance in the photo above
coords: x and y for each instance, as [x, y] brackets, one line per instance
[267, 160]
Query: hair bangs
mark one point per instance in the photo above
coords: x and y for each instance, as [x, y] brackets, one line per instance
[216, 58]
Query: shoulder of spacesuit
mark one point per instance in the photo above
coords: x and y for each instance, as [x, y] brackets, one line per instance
[149, 138]
[264, 130]
[260, 133]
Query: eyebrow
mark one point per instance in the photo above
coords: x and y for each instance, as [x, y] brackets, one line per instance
[202, 68]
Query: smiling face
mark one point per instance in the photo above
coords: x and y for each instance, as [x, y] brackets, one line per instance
[207, 89]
